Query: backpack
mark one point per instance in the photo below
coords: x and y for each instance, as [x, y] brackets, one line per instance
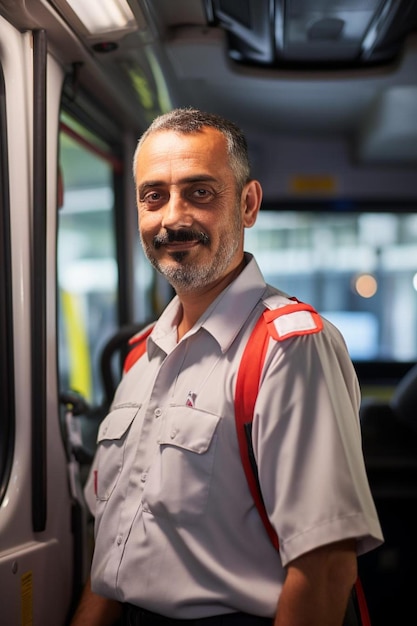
[247, 385]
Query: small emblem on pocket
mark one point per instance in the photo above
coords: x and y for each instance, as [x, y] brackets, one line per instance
[190, 399]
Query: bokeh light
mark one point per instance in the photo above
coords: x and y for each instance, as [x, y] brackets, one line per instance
[365, 285]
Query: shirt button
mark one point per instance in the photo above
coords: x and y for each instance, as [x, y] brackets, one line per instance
[144, 477]
[119, 540]
[157, 412]
[173, 433]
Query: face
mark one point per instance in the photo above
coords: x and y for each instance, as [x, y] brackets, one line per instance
[191, 218]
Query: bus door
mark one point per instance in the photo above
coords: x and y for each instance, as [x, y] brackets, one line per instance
[36, 538]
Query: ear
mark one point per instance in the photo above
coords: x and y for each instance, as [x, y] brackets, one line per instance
[251, 202]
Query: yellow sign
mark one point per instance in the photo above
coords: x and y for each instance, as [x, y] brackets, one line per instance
[26, 596]
[313, 184]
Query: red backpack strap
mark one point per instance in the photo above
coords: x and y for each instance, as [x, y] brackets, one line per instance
[362, 604]
[288, 321]
[139, 348]
[247, 386]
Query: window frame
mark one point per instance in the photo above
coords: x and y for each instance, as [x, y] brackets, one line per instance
[7, 381]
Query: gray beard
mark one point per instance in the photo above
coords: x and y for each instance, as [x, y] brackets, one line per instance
[190, 276]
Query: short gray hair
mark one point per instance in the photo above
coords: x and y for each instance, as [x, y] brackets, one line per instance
[189, 120]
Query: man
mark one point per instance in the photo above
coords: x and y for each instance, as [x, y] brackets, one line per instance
[178, 538]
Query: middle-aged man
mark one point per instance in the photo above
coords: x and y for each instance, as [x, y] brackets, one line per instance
[178, 539]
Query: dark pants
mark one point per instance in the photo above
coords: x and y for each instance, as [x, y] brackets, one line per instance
[134, 616]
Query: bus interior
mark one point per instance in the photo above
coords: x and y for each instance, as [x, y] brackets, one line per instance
[326, 93]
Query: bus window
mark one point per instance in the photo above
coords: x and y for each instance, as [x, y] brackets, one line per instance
[358, 268]
[7, 416]
[87, 262]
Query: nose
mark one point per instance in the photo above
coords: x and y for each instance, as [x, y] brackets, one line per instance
[176, 213]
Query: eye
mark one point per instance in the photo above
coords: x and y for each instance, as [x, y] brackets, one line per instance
[200, 194]
[151, 197]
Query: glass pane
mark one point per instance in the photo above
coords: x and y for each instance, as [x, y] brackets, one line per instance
[357, 269]
[87, 267]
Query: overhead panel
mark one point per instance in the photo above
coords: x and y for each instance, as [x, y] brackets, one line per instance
[314, 32]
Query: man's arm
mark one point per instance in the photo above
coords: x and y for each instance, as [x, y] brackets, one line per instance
[317, 587]
[94, 610]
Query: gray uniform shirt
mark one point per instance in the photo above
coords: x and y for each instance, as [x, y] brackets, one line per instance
[176, 529]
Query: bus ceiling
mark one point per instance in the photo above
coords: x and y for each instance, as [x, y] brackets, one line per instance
[264, 63]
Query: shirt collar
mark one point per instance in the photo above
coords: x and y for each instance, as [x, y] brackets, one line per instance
[223, 319]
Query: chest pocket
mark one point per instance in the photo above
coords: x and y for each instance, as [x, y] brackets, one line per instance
[179, 478]
[111, 439]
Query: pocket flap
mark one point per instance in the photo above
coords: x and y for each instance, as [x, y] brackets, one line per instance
[188, 428]
[117, 422]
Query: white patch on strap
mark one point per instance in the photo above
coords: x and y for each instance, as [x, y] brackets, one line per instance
[292, 320]
[299, 321]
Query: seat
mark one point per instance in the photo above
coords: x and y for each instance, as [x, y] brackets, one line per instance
[89, 418]
[116, 349]
[389, 436]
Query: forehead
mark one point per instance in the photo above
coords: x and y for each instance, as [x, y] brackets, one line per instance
[167, 152]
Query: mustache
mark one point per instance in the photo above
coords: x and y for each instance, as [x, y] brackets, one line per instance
[183, 234]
